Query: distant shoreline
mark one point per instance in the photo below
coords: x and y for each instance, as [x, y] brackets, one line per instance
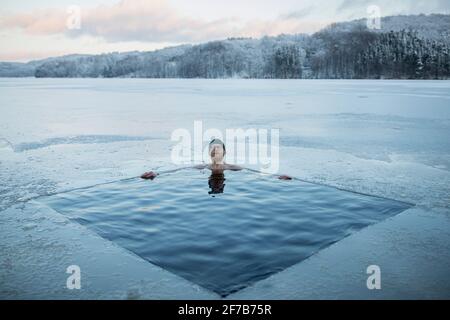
[406, 47]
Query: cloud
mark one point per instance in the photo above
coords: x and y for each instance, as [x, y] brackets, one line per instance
[299, 14]
[155, 21]
[151, 21]
[45, 21]
[139, 20]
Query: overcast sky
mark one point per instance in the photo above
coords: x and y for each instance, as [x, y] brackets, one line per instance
[39, 28]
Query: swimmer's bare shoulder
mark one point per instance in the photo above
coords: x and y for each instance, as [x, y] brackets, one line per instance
[232, 167]
[220, 167]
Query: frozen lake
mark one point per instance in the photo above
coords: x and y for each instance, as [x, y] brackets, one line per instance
[384, 138]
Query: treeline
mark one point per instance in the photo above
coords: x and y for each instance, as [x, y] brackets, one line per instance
[404, 55]
[279, 57]
[341, 51]
[361, 54]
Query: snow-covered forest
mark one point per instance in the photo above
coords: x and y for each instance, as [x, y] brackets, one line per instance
[406, 47]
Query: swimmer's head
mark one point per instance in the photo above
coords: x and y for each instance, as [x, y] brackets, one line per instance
[217, 151]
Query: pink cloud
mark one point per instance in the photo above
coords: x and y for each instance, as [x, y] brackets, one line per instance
[149, 21]
[48, 21]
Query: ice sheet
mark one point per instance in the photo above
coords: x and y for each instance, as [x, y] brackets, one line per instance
[386, 138]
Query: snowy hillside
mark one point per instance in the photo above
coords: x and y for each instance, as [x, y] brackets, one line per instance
[406, 47]
[433, 26]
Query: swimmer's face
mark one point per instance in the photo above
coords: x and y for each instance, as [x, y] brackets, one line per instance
[216, 153]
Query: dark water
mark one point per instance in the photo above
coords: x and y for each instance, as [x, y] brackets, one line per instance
[222, 232]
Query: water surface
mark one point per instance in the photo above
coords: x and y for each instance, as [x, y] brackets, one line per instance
[222, 232]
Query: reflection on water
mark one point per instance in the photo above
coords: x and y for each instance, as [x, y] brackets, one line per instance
[216, 183]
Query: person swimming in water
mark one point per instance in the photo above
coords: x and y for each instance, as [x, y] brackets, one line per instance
[217, 152]
[216, 181]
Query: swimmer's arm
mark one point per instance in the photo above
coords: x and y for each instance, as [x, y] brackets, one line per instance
[234, 167]
[199, 166]
[281, 177]
[150, 175]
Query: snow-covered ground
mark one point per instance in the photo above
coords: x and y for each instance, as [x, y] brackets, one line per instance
[386, 138]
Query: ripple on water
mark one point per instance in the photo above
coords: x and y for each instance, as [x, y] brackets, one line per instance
[223, 235]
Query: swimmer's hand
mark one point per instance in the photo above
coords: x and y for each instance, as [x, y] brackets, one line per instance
[149, 175]
[284, 177]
